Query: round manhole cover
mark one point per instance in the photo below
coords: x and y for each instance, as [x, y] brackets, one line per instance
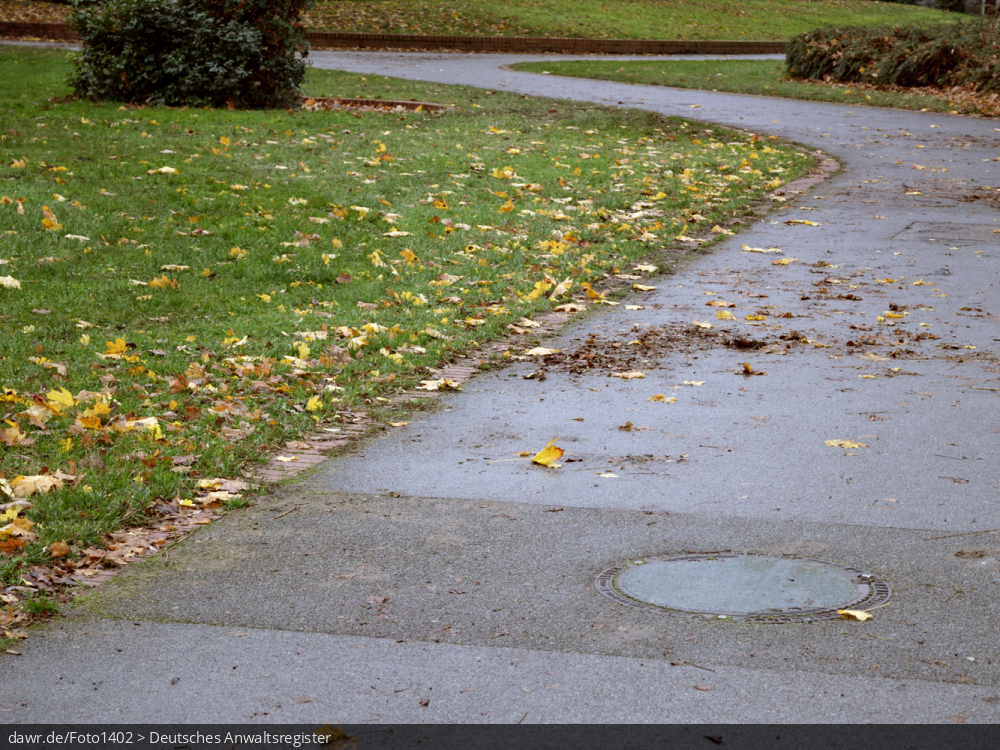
[764, 588]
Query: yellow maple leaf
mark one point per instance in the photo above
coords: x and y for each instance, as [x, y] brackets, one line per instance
[643, 287]
[116, 347]
[506, 208]
[62, 397]
[409, 256]
[548, 455]
[314, 404]
[725, 315]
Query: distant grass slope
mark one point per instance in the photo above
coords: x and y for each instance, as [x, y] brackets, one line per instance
[623, 19]
[595, 19]
[763, 78]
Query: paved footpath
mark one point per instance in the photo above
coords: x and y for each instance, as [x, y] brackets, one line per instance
[418, 582]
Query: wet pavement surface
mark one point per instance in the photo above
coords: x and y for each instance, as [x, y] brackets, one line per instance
[427, 566]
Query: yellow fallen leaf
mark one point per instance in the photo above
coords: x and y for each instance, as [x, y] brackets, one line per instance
[694, 382]
[802, 221]
[845, 444]
[647, 268]
[548, 455]
[630, 375]
[438, 385]
[725, 315]
[398, 424]
[162, 170]
[854, 614]
[26, 486]
[286, 459]
[643, 287]
[756, 317]
[9, 282]
[409, 256]
[783, 261]
[634, 307]
[562, 288]
[541, 351]
[662, 399]
[61, 397]
[49, 220]
[314, 404]
[115, 348]
[702, 325]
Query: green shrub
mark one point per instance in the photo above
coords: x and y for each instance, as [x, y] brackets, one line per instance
[243, 53]
[964, 54]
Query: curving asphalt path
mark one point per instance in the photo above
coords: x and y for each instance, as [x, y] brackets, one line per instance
[417, 582]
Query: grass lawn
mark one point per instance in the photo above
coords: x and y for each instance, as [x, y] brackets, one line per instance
[625, 19]
[182, 290]
[762, 77]
[597, 19]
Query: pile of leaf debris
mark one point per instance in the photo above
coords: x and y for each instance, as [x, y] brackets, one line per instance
[649, 347]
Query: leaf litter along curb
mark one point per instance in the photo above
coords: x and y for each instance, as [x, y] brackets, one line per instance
[291, 271]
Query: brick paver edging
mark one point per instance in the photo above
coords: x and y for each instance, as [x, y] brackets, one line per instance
[351, 40]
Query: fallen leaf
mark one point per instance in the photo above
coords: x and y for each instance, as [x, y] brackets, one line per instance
[854, 614]
[541, 351]
[608, 475]
[643, 287]
[630, 375]
[58, 549]
[438, 385]
[9, 282]
[398, 424]
[548, 455]
[286, 459]
[702, 325]
[725, 315]
[748, 249]
[26, 486]
[702, 687]
[845, 444]
[162, 170]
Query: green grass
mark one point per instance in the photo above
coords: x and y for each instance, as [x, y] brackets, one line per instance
[625, 19]
[760, 77]
[285, 303]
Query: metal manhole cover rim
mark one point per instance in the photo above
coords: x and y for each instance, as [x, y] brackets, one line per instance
[878, 593]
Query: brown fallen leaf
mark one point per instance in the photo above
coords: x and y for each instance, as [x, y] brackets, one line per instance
[58, 549]
[702, 687]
